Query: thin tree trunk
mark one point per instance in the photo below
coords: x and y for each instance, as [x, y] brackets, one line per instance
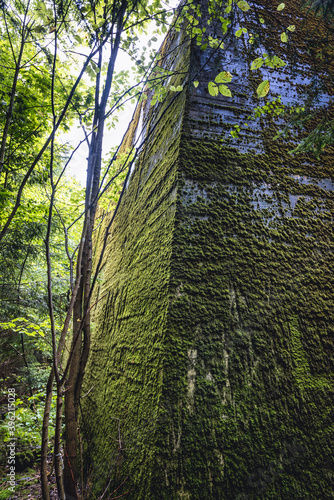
[57, 449]
[45, 440]
[81, 341]
[48, 397]
[79, 305]
[70, 466]
[9, 114]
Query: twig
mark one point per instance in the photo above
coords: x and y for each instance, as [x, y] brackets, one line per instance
[118, 487]
[88, 392]
[91, 307]
[120, 496]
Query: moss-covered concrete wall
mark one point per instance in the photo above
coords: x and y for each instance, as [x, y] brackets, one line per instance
[211, 372]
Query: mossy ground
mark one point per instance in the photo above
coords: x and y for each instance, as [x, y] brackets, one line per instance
[27, 486]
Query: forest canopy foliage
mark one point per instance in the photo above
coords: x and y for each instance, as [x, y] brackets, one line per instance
[57, 71]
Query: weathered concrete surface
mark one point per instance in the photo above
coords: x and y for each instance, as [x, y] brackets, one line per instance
[212, 362]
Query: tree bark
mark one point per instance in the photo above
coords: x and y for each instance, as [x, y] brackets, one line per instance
[81, 316]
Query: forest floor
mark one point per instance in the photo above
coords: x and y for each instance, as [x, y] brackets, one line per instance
[28, 485]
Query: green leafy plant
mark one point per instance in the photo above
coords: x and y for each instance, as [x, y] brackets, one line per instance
[28, 428]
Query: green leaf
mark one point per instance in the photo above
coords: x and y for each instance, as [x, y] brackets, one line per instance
[284, 37]
[179, 88]
[281, 6]
[223, 77]
[244, 6]
[262, 21]
[263, 88]
[274, 62]
[224, 90]
[30, 334]
[238, 33]
[196, 84]
[292, 27]
[225, 25]
[214, 43]
[257, 63]
[213, 89]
